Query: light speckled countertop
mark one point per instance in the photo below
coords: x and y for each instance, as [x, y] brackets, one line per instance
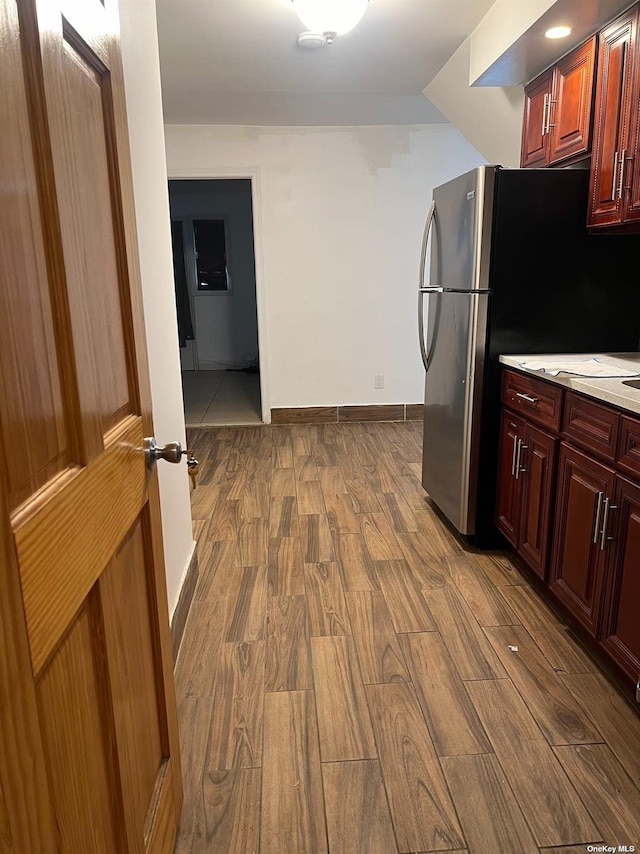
[611, 391]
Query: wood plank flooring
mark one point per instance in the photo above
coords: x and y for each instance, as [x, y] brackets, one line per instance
[354, 680]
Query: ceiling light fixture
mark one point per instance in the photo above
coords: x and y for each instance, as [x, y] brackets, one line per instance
[558, 32]
[328, 18]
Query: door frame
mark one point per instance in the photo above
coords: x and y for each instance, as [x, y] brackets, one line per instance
[253, 174]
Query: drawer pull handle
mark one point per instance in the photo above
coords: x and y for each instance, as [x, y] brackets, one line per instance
[605, 520]
[521, 470]
[529, 399]
[596, 527]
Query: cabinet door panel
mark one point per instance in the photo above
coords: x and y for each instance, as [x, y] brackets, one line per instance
[535, 142]
[537, 472]
[621, 634]
[508, 503]
[578, 562]
[572, 103]
[612, 118]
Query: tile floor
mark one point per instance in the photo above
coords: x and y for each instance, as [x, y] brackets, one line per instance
[221, 398]
[354, 680]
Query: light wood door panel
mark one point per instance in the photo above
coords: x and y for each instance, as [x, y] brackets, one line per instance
[32, 417]
[89, 758]
[78, 742]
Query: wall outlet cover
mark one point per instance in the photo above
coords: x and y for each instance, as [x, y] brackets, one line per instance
[378, 381]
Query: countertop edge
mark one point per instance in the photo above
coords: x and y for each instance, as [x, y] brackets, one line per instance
[605, 390]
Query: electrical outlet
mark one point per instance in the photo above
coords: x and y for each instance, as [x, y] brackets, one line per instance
[378, 381]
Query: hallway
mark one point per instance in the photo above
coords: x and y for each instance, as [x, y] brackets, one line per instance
[353, 680]
[221, 398]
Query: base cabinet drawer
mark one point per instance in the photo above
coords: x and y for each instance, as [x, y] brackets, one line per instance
[533, 399]
[590, 425]
[629, 446]
[621, 618]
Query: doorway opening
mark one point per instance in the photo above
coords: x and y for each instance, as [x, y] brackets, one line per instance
[214, 269]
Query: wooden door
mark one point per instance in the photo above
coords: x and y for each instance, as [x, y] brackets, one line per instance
[571, 107]
[578, 559]
[89, 759]
[535, 137]
[508, 499]
[621, 630]
[537, 477]
[613, 108]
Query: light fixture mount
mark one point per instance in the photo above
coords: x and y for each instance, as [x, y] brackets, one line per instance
[312, 41]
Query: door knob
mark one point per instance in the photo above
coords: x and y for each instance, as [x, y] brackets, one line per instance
[172, 452]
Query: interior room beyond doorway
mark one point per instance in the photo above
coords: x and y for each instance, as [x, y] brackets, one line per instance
[214, 267]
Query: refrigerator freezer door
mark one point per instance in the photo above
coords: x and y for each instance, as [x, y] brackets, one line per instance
[462, 233]
[456, 331]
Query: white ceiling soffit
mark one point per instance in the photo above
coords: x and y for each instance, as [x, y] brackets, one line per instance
[509, 47]
[237, 62]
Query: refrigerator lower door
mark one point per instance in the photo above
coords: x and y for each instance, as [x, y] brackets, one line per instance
[456, 337]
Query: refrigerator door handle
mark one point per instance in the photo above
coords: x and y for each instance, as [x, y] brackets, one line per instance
[425, 242]
[421, 289]
[423, 349]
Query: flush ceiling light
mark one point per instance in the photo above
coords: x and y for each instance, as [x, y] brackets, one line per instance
[330, 18]
[558, 32]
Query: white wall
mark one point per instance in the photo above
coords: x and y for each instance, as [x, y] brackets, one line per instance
[489, 117]
[339, 221]
[225, 323]
[144, 109]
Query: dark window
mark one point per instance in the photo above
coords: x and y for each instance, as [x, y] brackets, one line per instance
[211, 255]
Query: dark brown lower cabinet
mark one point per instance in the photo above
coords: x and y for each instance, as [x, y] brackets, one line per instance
[583, 512]
[525, 489]
[621, 617]
[508, 502]
[573, 515]
[537, 476]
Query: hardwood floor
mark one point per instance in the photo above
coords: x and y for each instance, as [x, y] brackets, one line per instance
[353, 680]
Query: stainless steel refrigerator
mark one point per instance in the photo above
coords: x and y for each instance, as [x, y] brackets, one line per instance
[513, 270]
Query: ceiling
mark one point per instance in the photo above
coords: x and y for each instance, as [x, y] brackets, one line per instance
[237, 62]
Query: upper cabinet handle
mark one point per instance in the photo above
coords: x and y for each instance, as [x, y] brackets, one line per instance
[622, 163]
[615, 176]
[544, 113]
[549, 103]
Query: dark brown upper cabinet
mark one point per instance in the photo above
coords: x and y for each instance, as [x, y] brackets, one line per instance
[558, 110]
[614, 189]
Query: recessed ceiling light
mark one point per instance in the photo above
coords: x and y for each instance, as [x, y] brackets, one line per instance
[558, 32]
